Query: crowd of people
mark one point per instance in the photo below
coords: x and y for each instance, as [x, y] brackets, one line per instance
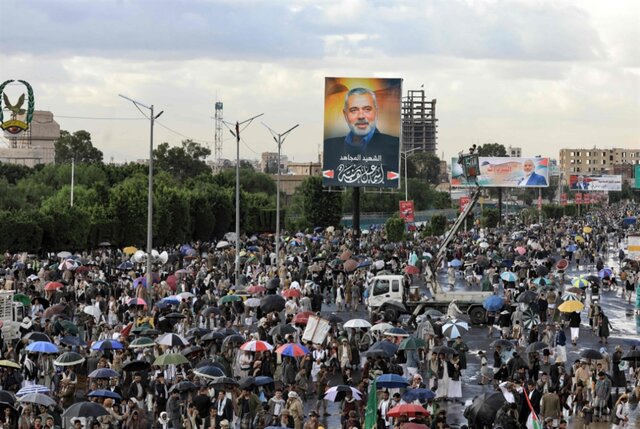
[96, 347]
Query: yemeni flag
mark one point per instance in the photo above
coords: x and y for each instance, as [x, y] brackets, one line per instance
[533, 421]
[371, 416]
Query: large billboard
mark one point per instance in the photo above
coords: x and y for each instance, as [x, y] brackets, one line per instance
[362, 132]
[505, 172]
[595, 182]
[636, 175]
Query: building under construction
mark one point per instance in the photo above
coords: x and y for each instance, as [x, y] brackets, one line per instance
[419, 122]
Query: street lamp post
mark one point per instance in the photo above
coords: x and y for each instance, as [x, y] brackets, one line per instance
[406, 154]
[152, 118]
[279, 139]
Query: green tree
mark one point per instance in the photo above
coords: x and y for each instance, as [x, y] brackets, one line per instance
[427, 167]
[492, 149]
[14, 172]
[76, 146]
[128, 203]
[315, 206]
[438, 224]
[491, 217]
[187, 160]
[395, 229]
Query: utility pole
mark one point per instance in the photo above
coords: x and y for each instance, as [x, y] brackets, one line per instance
[73, 171]
[279, 139]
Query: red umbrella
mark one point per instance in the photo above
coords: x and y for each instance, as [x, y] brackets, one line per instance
[411, 270]
[410, 410]
[292, 293]
[562, 264]
[256, 289]
[346, 255]
[53, 286]
[303, 318]
[412, 425]
[350, 265]
[54, 309]
[83, 269]
[172, 282]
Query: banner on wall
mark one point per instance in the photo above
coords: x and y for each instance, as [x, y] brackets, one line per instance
[595, 182]
[407, 211]
[505, 172]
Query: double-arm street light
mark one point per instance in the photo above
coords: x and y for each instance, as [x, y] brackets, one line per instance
[279, 139]
[152, 118]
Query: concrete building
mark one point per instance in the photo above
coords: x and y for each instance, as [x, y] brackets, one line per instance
[419, 122]
[36, 145]
[596, 161]
[269, 163]
[305, 168]
[514, 152]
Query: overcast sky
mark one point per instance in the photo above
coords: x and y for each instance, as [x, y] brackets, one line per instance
[540, 75]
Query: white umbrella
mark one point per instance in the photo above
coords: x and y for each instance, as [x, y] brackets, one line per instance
[186, 295]
[92, 310]
[222, 244]
[453, 328]
[172, 340]
[252, 302]
[382, 327]
[379, 264]
[357, 324]
[63, 254]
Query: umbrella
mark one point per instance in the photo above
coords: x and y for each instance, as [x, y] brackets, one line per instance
[104, 373]
[527, 297]
[357, 324]
[183, 386]
[421, 395]
[230, 298]
[272, 303]
[170, 359]
[502, 343]
[411, 270]
[263, 380]
[252, 302]
[434, 314]
[92, 310]
[388, 348]
[137, 301]
[68, 326]
[632, 342]
[38, 398]
[233, 340]
[172, 340]
[412, 343]
[542, 270]
[570, 297]
[633, 355]
[136, 365]
[141, 342]
[69, 359]
[292, 349]
[580, 282]
[197, 332]
[521, 250]
[536, 346]
[34, 388]
[7, 397]
[282, 330]
[224, 381]
[303, 317]
[175, 316]
[42, 347]
[410, 410]
[82, 409]
[574, 290]
[445, 350]
[192, 350]
[453, 328]
[587, 229]
[338, 393]
[222, 244]
[37, 336]
[256, 289]
[396, 332]
[292, 293]
[256, 346]
[482, 411]
[125, 266]
[210, 371]
[456, 263]
[350, 265]
[540, 281]
[493, 303]
[391, 381]
[591, 354]
[107, 345]
[509, 276]
[103, 393]
[54, 309]
[24, 299]
[9, 364]
[605, 273]
[51, 286]
[246, 382]
[70, 340]
[530, 318]
[571, 306]
[571, 248]
[381, 327]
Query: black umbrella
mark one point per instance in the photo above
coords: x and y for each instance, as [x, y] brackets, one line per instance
[175, 316]
[482, 412]
[213, 336]
[136, 365]
[211, 310]
[272, 303]
[538, 345]
[542, 271]
[591, 354]
[445, 349]
[333, 318]
[502, 343]
[282, 330]
[183, 386]
[235, 340]
[7, 397]
[388, 347]
[247, 382]
[197, 332]
[37, 336]
[527, 297]
[82, 409]
[192, 350]
[228, 331]
[224, 382]
[273, 284]
[209, 371]
[375, 353]
[633, 355]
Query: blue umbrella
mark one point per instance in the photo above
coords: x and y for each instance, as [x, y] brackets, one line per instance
[493, 303]
[104, 373]
[509, 276]
[629, 220]
[262, 380]
[391, 381]
[508, 263]
[170, 300]
[421, 395]
[571, 248]
[107, 345]
[34, 388]
[455, 263]
[42, 347]
[184, 249]
[125, 266]
[387, 347]
[605, 272]
[70, 340]
[102, 393]
[364, 264]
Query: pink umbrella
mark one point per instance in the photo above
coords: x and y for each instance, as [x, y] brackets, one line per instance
[137, 301]
[411, 270]
[172, 282]
[521, 250]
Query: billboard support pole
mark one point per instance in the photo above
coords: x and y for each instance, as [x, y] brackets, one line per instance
[499, 206]
[356, 216]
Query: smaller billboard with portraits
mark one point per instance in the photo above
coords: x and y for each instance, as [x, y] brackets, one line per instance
[505, 172]
[595, 182]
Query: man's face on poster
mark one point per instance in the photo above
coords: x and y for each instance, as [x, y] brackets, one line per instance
[528, 167]
[360, 114]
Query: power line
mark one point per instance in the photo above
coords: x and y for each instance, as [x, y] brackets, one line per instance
[96, 118]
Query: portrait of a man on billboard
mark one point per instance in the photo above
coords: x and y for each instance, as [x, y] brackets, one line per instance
[362, 130]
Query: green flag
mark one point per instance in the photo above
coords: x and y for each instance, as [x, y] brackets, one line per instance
[371, 414]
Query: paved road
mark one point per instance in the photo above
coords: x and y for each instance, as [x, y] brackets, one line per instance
[620, 313]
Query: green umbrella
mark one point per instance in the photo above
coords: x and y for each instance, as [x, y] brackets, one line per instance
[24, 299]
[141, 328]
[69, 327]
[230, 298]
[170, 359]
[141, 342]
[412, 343]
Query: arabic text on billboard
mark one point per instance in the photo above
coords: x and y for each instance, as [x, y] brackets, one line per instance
[505, 172]
[362, 132]
[406, 211]
[595, 182]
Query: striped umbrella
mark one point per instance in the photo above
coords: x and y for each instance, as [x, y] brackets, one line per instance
[530, 318]
[580, 281]
[256, 346]
[453, 328]
[292, 349]
[570, 297]
[34, 388]
[509, 276]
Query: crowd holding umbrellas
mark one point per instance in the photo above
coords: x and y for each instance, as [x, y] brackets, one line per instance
[198, 348]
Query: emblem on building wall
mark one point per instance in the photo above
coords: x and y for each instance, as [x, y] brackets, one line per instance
[20, 116]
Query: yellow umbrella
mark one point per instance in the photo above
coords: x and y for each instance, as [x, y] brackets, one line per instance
[571, 306]
[587, 230]
[130, 250]
[9, 364]
[579, 239]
